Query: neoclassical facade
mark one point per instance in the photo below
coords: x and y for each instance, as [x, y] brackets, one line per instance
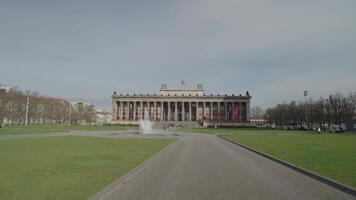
[182, 106]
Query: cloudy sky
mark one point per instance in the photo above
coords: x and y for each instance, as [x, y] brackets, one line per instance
[84, 50]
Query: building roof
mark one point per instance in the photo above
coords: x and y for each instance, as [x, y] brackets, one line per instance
[181, 92]
[197, 92]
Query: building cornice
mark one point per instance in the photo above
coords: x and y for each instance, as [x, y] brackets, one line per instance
[182, 98]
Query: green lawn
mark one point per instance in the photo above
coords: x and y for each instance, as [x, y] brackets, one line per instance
[68, 167]
[57, 128]
[331, 155]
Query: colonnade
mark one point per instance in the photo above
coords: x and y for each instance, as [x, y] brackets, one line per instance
[233, 111]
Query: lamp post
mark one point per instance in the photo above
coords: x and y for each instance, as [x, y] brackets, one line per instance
[306, 106]
[70, 114]
[27, 104]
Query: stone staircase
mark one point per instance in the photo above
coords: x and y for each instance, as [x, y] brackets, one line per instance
[162, 124]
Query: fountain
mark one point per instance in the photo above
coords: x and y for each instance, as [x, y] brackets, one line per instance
[146, 124]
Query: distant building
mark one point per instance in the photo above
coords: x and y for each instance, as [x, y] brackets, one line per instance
[102, 117]
[82, 113]
[352, 125]
[4, 89]
[79, 105]
[182, 106]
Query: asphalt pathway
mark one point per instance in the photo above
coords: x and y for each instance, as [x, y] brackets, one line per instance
[199, 166]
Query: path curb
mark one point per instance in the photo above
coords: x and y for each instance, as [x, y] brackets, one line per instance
[323, 179]
[107, 190]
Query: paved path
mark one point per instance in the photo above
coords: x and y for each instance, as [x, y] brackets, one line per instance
[34, 135]
[106, 134]
[199, 166]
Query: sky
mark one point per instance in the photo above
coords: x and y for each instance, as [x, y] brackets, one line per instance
[84, 50]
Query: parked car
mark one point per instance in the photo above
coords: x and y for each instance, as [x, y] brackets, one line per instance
[302, 128]
[336, 129]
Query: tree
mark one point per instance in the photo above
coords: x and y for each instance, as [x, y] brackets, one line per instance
[41, 110]
[257, 112]
[336, 109]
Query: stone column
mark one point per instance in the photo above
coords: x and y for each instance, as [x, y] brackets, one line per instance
[183, 111]
[229, 113]
[197, 113]
[114, 110]
[169, 111]
[141, 111]
[176, 111]
[148, 110]
[162, 113]
[117, 110]
[240, 113]
[128, 110]
[211, 111]
[134, 110]
[190, 111]
[204, 109]
[247, 111]
[155, 111]
[124, 112]
[121, 109]
[225, 103]
[218, 111]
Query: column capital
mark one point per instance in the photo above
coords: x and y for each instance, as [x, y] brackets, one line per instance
[134, 110]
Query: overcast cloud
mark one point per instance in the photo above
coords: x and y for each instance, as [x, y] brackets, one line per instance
[84, 50]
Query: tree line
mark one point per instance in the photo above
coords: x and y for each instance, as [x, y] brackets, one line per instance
[41, 109]
[337, 109]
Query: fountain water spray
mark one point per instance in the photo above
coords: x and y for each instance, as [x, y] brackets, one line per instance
[146, 124]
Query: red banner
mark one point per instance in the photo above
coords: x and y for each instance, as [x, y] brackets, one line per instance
[235, 112]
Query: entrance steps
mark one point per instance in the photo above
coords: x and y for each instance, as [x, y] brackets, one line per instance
[162, 124]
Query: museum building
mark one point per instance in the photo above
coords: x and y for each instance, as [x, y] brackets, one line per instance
[182, 106]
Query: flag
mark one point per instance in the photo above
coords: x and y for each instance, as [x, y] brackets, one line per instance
[182, 82]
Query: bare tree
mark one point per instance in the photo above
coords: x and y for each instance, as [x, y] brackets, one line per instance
[336, 109]
[257, 112]
[41, 110]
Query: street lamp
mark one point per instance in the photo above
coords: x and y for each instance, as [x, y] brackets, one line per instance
[306, 107]
[70, 114]
[27, 104]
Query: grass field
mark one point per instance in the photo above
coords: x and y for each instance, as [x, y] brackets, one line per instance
[331, 155]
[57, 128]
[68, 167]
